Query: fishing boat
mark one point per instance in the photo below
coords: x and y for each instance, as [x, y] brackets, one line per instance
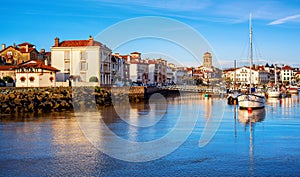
[251, 100]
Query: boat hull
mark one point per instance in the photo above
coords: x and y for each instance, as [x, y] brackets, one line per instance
[274, 94]
[252, 101]
[293, 91]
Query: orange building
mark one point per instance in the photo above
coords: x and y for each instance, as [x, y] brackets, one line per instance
[18, 53]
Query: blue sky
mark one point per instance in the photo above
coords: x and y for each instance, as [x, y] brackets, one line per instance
[223, 23]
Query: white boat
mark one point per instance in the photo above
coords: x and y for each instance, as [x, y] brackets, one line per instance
[292, 90]
[251, 100]
[273, 93]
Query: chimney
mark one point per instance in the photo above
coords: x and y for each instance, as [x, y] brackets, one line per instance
[46, 62]
[56, 42]
[3, 46]
[26, 48]
[91, 41]
[42, 51]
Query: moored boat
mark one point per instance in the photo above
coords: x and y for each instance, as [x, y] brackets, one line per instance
[273, 93]
[251, 100]
[232, 97]
[293, 90]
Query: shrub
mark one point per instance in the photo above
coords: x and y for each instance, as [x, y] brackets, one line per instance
[93, 79]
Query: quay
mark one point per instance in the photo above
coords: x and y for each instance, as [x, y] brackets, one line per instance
[22, 100]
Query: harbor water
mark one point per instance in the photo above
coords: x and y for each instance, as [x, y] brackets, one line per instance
[213, 139]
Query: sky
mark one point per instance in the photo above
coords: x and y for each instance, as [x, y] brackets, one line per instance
[223, 24]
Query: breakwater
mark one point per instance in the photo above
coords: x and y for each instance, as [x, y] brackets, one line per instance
[23, 100]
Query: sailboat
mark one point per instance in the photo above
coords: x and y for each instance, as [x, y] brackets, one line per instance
[274, 91]
[251, 100]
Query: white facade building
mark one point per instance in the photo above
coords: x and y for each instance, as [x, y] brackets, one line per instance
[286, 74]
[243, 76]
[82, 61]
[138, 68]
[35, 73]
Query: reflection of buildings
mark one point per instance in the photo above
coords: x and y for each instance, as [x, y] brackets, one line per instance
[207, 107]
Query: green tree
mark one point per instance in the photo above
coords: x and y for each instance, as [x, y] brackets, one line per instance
[8, 79]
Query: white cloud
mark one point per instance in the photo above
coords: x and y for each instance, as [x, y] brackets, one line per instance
[284, 20]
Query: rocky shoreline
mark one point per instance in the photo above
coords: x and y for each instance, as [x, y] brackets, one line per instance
[55, 99]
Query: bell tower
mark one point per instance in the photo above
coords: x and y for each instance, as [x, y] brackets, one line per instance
[207, 60]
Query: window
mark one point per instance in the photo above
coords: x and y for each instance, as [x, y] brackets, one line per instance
[22, 79]
[31, 79]
[51, 79]
[83, 66]
[67, 65]
[83, 55]
[67, 55]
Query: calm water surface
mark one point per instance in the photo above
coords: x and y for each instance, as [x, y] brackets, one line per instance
[267, 144]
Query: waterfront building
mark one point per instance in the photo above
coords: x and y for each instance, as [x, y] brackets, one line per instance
[171, 73]
[84, 61]
[157, 71]
[297, 77]
[138, 69]
[242, 75]
[286, 74]
[126, 69]
[120, 69]
[181, 75]
[17, 54]
[34, 73]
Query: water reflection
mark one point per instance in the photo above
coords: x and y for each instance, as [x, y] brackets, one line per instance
[253, 116]
[249, 118]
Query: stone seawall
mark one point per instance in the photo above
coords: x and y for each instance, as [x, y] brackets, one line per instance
[22, 100]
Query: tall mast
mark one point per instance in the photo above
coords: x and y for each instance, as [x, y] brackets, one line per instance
[251, 52]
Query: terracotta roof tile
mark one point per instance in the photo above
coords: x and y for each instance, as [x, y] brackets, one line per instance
[26, 43]
[23, 50]
[78, 43]
[37, 64]
[286, 67]
[7, 67]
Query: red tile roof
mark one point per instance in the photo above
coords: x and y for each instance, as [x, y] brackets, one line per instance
[152, 62]
[36, 64]
[78, 43]
[286, 67]
[26, 43]
[22, 50]
[7, 67]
